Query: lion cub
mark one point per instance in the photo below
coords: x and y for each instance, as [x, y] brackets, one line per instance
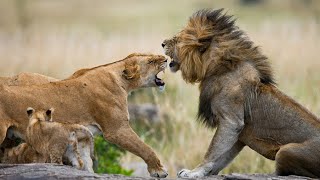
[57, 141]
[23, 153]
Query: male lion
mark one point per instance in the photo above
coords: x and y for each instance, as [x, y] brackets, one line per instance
[94, 97]
[56, 140]
[239, 97]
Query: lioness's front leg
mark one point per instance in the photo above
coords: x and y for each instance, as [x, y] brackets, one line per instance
[127, 139]
[223, 148]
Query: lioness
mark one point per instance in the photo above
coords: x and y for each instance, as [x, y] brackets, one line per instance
[238, 96]
[26, 78]
[57, 140]
[95, 97]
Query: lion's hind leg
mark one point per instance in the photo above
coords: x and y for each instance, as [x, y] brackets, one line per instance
[299, 159]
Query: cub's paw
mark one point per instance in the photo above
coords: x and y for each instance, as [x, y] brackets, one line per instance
[185, 173]
[158, 173]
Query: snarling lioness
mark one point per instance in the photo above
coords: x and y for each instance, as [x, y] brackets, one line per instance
[95, 97]
[238, 96]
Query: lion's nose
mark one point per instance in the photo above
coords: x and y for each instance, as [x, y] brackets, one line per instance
[163, 44]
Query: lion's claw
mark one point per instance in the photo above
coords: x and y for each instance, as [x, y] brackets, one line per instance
[186, 173]
[183, 173]
[162, 173]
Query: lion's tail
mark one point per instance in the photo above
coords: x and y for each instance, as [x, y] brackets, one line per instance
[85, 133]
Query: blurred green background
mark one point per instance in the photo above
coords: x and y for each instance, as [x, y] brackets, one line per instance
[57, 37]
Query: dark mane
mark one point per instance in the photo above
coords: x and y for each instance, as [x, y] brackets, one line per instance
[222, 29]
[205, 115]
[233, 48]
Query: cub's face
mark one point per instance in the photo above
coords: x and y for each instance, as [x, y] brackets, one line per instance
[169, 46]
[39, 115]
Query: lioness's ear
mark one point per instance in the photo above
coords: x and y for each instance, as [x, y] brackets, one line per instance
[131, 71]
[30, 111]
[49, 114]
[205, 43]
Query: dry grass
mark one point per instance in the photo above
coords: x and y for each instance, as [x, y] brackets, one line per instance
[292, 44]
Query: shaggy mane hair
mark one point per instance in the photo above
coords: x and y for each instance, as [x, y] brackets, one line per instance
[210, 46]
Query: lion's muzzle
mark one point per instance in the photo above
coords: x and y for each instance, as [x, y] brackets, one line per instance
[172, 64]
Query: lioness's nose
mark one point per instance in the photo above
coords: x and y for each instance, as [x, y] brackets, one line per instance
[163, 44]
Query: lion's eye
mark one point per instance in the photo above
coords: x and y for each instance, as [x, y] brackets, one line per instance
[150, 62]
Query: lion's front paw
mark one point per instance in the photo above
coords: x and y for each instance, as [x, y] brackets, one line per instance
[185, 173]
[158, 173]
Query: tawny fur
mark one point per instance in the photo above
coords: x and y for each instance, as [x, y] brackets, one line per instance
[56, 140]
[238, 96]
[21, 154]
[26, 79]
[84, 143]
[91, 97]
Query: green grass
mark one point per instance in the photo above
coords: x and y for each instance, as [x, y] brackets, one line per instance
[108, 158]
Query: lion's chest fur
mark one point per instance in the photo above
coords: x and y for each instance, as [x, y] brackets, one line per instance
[221, 93]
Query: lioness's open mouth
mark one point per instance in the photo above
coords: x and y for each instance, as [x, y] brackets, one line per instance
[159, 82]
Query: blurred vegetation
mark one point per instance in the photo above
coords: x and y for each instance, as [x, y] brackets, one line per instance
[108, 157]
[58, 37]
[117, 16]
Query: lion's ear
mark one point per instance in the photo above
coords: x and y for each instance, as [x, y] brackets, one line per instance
[205, 43]
[30, 111]
[49, 114]
[131, 71]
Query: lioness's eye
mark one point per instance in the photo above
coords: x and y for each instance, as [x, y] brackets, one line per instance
[150, 62]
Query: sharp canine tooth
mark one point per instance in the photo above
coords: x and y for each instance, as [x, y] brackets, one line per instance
[160, 75]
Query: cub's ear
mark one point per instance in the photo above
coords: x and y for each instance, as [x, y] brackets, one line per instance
[131, 71]
[205, 43]
[49, 114]
[30, 111]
